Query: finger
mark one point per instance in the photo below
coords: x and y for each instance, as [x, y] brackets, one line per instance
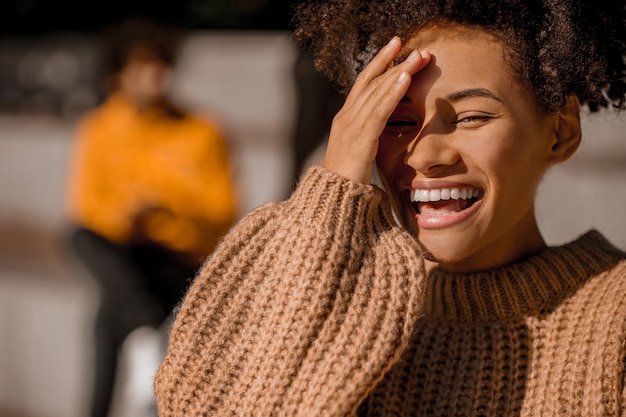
[382, 103]
[381, 62]
[379, 103]
[413, 63]
[384, 87]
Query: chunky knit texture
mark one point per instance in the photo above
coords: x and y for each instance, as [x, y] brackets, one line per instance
[300, 311]
[541, 337]
[308, 304]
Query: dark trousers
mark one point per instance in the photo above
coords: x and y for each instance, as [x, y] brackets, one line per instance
[139, 285]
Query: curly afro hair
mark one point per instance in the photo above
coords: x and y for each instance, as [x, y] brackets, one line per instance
[557, 47]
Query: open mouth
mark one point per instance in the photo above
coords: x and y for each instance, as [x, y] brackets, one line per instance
[440, 201]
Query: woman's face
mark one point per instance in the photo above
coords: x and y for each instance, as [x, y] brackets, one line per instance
[464, 151]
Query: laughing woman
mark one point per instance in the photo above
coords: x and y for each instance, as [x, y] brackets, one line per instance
[321, 305]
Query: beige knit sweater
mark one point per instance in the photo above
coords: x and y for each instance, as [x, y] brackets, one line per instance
[319, 306]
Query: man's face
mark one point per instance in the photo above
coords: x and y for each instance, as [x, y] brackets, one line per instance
[144, 78]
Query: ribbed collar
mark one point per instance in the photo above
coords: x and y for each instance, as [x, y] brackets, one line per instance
[532, 286]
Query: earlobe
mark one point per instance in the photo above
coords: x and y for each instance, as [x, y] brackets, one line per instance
[567, 131]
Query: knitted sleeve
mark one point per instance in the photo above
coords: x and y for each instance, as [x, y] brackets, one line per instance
[623, 403]
[300, 311]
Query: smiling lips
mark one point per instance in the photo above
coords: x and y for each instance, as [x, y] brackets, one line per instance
[443, 201]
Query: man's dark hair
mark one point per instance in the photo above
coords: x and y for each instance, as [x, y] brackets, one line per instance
[122, 40]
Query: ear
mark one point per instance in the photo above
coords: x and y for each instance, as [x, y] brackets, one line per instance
[567, 133]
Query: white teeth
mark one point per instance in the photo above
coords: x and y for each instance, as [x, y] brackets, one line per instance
[444, 194]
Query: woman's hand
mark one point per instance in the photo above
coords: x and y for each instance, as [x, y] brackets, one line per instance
[353, 140]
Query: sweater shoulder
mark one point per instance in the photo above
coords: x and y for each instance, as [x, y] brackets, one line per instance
[610, 263]
[611, 285]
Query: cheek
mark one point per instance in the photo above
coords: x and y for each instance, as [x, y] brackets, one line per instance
[513, 168]
[505, 150]
[390, 155]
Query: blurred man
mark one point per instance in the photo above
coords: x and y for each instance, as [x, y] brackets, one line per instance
[150, 194]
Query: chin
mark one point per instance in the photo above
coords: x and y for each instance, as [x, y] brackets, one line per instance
[445, 251]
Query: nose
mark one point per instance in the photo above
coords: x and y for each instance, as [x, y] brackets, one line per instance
[432, 151]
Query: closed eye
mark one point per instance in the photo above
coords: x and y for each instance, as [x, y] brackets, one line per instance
[400, 123]
[396, 126]
[473, 120]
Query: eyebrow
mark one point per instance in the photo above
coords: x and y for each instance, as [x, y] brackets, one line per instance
[472, 92]
[461, 94]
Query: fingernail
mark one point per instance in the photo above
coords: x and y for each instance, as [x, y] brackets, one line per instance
[412, 56]
[403, 76]
[393, 41]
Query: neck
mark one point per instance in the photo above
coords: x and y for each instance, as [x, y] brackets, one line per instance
[523, 241]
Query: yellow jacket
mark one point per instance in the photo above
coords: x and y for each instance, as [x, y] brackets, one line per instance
[160, 175]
